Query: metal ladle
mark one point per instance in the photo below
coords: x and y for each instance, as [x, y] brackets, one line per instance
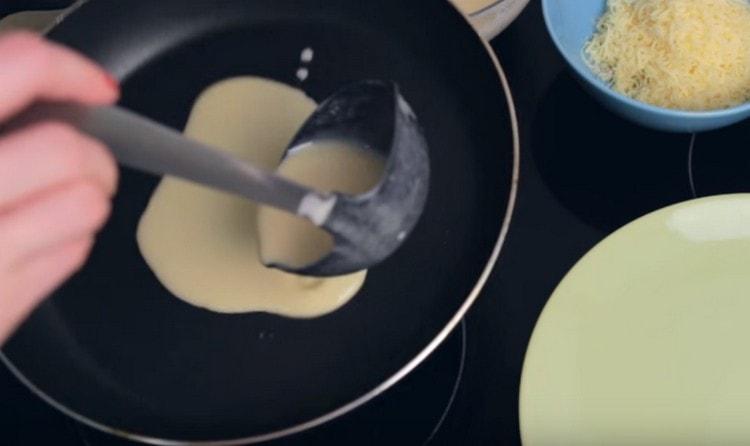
[366, 228]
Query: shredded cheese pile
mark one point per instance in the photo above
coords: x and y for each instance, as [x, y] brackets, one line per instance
[681, 54]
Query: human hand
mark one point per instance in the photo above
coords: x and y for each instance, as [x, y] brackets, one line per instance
[55, 183]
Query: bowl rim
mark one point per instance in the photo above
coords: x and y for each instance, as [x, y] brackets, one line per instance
[595, 81]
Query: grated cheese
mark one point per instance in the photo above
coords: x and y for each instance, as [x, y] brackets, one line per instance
[683, 54]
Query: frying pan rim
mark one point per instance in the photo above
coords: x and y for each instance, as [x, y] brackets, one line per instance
[441, 336]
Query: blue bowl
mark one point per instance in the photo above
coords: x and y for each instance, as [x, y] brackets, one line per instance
[571, 23]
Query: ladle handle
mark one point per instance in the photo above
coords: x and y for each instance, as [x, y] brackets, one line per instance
[146, 145]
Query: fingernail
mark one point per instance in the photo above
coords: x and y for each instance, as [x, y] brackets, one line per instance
[112, 81]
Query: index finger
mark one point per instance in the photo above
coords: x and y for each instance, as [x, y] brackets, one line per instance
[32, 68]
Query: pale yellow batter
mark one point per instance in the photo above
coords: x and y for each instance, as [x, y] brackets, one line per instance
[38, 21]
[327, 165]
[471, 6]
[202, 244]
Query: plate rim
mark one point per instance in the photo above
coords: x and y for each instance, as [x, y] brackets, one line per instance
[584, 261]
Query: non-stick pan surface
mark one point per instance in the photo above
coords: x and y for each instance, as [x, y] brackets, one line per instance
[115, 350]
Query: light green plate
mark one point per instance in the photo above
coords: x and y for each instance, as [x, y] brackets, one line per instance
[647, 339]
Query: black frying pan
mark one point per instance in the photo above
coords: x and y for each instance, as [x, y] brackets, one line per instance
[116, 351]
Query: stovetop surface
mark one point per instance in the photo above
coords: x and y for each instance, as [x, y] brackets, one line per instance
[584, 173]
